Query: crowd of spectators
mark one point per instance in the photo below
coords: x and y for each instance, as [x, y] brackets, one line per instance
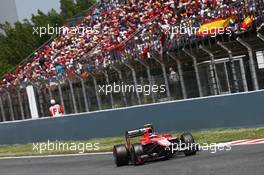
[111, 36]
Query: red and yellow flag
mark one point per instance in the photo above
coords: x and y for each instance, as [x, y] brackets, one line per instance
[214, 27]
[247, 23]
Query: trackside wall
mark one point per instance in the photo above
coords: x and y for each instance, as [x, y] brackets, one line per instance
[236, 110]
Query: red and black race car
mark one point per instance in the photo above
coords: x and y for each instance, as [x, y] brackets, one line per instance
[152, 146]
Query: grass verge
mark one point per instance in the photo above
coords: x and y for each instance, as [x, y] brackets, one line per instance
[106, 144]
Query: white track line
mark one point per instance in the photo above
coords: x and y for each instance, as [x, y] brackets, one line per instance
[58, 155]
[244, 142]
[251, 142]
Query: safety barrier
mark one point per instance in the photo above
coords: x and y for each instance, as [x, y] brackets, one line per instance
[223, 111]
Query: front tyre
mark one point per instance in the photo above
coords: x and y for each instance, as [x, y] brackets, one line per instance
[188, 140]
[121, 155]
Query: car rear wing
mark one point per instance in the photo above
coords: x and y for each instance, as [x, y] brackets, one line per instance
[139, 132]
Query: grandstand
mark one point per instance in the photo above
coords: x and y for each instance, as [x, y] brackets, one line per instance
[134, 44]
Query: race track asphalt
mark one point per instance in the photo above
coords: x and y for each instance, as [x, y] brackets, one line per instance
[241, 160]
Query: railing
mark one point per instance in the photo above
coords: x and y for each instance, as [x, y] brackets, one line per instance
[81, 94]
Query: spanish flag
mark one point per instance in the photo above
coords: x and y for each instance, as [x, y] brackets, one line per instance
[214, 27]
[247, 23]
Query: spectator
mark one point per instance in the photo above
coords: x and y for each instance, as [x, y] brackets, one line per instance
[55, 109]
[174, 77]
[59, 70]
[113, 24]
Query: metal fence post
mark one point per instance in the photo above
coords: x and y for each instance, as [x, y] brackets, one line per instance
[216, 89]
[153, 80]
[234, 73]
[164, 75]
[41, 102]
[98, 97]
[111, 94]
[251, 63]
[85, 96]
[198, 80]
[181, 79]
[97, 93]
[10, 105]
[180, 75]
[84, 93]
[149, 77]
[121, 79]
[61, 96]
[50, 93]
[2, 109]
[20, 103]
[135, 80]
[243, 74]
[73, 96]
[260, 36]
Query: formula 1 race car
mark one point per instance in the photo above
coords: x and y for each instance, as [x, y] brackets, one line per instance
[152, 146]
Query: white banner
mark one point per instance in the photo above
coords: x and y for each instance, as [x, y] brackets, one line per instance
[260, 59]
[32, 102]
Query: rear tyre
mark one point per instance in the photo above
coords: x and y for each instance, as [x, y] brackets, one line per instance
[188, 140]
[121, 155]
[136, 153]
